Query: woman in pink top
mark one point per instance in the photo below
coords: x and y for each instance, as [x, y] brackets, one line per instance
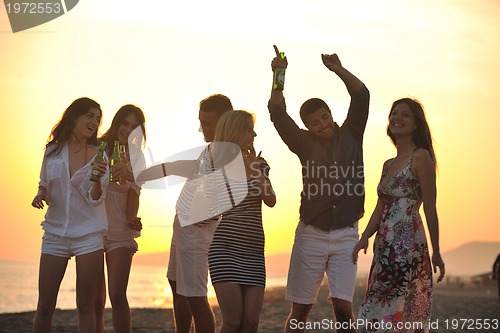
[122, 204]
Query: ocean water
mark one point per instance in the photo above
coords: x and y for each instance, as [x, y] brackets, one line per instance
[148, 287]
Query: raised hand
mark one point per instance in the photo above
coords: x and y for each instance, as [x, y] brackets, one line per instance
[331, 61]
[251, 160]
[277, 61]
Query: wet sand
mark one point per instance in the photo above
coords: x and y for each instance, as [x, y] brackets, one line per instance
[453, 304]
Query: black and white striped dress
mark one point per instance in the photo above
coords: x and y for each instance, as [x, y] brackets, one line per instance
[236, 254]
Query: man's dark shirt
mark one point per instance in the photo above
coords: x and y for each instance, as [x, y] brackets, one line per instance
[332, 172]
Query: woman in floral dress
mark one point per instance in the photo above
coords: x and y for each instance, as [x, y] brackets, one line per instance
[399, 291]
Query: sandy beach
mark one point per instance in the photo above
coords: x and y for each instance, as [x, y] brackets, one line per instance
[453, 304]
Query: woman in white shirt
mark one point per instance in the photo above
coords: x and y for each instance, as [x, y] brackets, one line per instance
[122, 204]
[75, 217]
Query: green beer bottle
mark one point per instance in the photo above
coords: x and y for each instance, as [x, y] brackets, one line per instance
[279, 76]
[115, 158]
[95, 176]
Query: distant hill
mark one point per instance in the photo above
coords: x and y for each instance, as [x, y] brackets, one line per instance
[466, 260]
[471, 258]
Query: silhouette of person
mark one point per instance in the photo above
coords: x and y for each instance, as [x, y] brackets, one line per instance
[236, 255]
[400, 283]
[496, 273]
[332, 199]
[76, 215]
[122, 205]
[188, 263]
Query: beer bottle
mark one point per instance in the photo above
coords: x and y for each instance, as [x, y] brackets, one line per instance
[95, 176]
[115, 158]
[279, 76]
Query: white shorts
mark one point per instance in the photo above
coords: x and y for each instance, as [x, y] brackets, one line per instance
[110, 245]
[69, 247]
[316, 252]
[188, 263]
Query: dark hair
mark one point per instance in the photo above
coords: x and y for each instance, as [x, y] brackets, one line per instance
[310, 106]
[63, 130]
[112, 133]
[216, 103]
[422, 134]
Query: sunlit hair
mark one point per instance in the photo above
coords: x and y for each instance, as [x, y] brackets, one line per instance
[234, 126]
[310, 106]
[63, 130]
[422, 134]
[216, 103]
[112, 134]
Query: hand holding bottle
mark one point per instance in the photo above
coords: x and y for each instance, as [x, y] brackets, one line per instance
[122, 171]
[279, 65]
[97, 169]
[280, 61]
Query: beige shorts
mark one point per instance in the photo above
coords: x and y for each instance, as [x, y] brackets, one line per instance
[316, 252]
[188, 263]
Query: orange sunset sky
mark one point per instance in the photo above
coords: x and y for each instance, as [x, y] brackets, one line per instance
[166, 56]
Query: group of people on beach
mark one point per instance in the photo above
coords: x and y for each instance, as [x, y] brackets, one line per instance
[87, 219]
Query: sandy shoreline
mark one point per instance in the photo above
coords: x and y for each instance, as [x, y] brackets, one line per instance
[451, 302]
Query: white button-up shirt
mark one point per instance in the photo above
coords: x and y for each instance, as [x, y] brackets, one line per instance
[71, 211]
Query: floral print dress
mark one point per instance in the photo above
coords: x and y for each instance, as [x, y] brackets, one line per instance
[399, 287]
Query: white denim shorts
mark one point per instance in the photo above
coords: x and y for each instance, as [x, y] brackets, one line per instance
[188, 263]
[316, 252]
[110, 245]
[69, 247]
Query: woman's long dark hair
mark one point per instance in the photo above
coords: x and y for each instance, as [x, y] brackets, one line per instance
[112, 134]
[422, 135]
[63, 130]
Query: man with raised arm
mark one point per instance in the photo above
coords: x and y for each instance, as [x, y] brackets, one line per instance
[332, 199]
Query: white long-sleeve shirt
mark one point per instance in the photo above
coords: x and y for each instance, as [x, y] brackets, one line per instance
[71, 211]
[116, 208]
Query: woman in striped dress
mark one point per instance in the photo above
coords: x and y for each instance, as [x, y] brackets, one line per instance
[236, 255]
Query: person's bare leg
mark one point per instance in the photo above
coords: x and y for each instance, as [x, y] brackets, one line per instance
[344, 314]
[182, 312]
[51, 273]
[88, 267]
[230, 298]
[204, 318]
[253, 297]
[100, 303]
[298, 315]
[119, 262]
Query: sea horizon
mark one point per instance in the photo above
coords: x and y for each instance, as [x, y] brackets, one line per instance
[148, 287]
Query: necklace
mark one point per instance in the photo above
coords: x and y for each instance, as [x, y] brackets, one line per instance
[84, 156]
